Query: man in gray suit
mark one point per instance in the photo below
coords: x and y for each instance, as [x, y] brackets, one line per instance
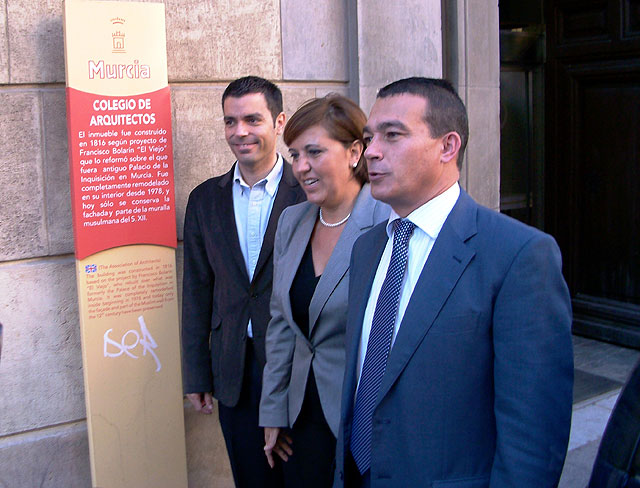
[229, 228]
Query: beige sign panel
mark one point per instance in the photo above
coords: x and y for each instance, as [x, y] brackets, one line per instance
[121, 170]
[131, 358]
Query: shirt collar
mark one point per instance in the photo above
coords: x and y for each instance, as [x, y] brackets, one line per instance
[430, 217]
[270, 181]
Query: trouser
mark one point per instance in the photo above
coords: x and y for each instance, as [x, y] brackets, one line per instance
[243, 437]
[314, 445]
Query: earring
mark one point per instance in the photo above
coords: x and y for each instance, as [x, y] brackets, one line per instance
[354, 165]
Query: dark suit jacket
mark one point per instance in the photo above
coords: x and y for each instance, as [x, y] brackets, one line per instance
[617, 464]
[478, 386]
[218, 300]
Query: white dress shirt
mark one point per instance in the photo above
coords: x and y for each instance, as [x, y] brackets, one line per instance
[429, 219]
[252, 208]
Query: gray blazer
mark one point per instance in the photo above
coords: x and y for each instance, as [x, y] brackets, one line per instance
[290, 353]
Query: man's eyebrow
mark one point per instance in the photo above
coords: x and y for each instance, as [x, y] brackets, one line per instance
[388, 124]
[256, 115]
[392, 124]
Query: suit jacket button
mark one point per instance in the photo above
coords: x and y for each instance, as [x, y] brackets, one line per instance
[254, 295]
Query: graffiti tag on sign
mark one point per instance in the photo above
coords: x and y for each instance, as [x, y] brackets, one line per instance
[130, 341]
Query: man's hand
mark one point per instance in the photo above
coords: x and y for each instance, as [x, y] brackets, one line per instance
[202, 402]
[278, 442]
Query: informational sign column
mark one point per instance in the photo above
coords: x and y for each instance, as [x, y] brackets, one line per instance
[123, 202]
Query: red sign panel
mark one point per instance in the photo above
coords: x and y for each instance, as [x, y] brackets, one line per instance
[121, 159]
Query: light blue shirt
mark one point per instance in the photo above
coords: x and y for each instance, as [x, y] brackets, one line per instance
[252, 208]
[429, 219]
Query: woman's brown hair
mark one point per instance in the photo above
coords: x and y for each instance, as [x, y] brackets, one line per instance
[343, 120]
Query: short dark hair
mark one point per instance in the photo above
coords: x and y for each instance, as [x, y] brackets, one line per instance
[254, 84]
[343, 120]
[445, 110]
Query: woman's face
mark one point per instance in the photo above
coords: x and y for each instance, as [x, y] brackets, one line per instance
[324, 167]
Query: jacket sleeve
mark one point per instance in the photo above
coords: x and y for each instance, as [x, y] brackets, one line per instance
[533, 368]
[197, 305]
[280, 341]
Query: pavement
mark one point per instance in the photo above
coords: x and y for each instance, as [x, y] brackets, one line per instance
[601, 370]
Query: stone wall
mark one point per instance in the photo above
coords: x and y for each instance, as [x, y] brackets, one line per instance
[472, 63]
[43, 435]
[308, 48]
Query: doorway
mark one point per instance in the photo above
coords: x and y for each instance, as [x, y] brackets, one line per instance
[570, 163]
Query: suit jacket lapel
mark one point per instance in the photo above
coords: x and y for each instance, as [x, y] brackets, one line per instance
[227, 219]
[449, 257]
[360, 220]
[285, 197]
[295, 251]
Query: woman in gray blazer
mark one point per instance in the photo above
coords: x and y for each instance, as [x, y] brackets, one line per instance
[302, 382]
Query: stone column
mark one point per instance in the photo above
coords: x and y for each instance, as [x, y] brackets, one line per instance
[393, 40]
[472, 64]
[455, 39]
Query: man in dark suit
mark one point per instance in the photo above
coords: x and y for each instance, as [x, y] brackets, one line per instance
[229, 228]
[459, 358]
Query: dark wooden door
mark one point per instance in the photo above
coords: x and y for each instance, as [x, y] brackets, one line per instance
[592, 163]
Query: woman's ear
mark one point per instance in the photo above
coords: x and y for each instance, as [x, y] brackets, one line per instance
[355, 151]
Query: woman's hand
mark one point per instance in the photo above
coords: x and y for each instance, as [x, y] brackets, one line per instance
[278, 442]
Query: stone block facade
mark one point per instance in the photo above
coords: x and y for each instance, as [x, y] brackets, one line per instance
[331, 46]
[472, 62]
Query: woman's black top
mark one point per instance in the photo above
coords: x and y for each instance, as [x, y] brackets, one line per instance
[302, 289]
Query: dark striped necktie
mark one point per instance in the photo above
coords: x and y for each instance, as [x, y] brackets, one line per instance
[379, 345]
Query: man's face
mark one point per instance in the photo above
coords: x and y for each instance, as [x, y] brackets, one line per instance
[404, 161]
[250, 130]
